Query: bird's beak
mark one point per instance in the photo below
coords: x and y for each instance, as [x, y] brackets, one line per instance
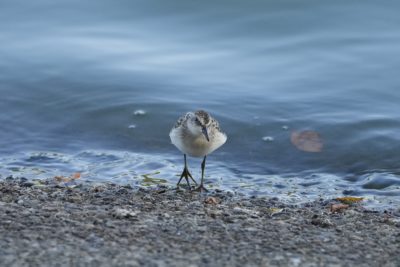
[204, 130]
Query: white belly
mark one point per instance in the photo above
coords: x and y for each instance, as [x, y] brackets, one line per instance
[196, 146]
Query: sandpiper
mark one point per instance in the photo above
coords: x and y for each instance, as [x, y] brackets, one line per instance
[196, 134]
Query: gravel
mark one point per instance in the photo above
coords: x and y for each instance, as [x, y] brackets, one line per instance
[43, 223]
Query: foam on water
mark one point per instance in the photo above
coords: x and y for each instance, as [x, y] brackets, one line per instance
[381, 190]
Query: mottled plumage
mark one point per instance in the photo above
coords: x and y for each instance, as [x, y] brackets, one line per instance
[188, 137]
[196, 134]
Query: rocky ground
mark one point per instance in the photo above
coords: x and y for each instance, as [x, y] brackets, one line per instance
[48, 224]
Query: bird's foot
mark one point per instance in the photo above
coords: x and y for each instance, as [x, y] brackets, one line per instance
[201, 189]
[188, 185]
[186, 174]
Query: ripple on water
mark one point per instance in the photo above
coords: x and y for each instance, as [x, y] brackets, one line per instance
[97, 156]
[381, 181]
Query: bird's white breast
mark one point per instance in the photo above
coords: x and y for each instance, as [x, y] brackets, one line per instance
[196, 145]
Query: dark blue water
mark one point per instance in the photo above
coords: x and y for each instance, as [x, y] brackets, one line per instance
[73, 73]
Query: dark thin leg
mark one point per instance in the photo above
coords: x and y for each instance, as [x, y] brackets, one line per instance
[187, 171]
[203, 166]
[186, 174]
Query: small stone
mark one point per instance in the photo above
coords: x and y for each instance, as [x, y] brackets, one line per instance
[322, 222]
[212, 215]
[239, 210]
[229, 220]
[148, 198]
[212, 200]
[273, 211]
[27, 184]
[124, 213]
[339, 207]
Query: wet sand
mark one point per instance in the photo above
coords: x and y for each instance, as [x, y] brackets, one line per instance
[49, 224]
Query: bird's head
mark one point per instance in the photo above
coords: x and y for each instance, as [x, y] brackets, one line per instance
[199, 122]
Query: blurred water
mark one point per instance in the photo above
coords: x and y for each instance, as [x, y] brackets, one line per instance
[72, 74]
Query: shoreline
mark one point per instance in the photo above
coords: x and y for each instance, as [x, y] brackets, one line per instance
[113, 225]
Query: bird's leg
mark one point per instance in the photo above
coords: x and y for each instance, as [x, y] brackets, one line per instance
[203, 166]
[186, 174]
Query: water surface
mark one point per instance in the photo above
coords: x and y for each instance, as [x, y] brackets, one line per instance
[72, 75]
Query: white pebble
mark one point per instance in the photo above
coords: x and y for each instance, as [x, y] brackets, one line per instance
[124, 213]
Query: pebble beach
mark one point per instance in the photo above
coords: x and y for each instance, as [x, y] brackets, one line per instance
[49, 224]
